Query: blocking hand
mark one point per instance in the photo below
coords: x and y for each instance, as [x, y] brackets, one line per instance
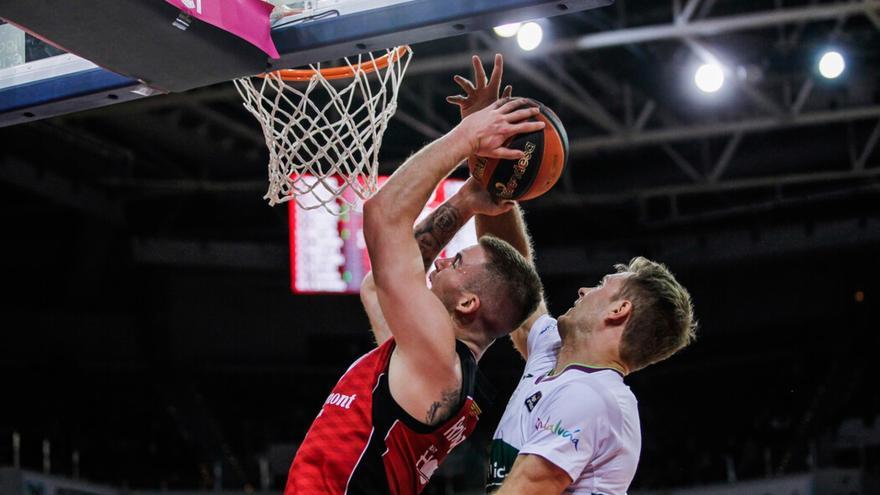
[481, 93]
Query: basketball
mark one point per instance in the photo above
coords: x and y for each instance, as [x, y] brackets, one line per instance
[546, 152]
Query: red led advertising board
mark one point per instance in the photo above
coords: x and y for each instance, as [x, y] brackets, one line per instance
[328, 254]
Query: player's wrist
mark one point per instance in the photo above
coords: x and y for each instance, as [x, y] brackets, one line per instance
[461, 141]
[464, 202]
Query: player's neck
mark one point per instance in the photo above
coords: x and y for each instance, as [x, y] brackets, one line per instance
[477, 342]
[592, 357]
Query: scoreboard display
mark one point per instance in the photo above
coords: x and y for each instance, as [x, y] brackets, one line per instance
[328, 254]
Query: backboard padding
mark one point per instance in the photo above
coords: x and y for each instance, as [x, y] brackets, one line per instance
[136, 39]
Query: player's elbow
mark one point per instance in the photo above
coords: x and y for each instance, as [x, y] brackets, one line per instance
[372, 222]
[382, 222]
[383, 211]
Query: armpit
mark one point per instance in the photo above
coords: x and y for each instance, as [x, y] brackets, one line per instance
[443, 409]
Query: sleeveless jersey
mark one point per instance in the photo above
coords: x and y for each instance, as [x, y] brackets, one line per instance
[363, 442]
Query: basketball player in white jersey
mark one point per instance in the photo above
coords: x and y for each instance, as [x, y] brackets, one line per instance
[572, 425]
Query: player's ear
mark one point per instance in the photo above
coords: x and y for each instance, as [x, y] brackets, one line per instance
[468, 303]
[618, 312]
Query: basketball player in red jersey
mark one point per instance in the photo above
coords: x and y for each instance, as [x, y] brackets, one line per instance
[399, 410]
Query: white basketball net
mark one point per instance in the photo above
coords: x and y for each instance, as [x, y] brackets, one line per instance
[324, 140]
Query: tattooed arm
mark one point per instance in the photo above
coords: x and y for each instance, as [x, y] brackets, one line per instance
[432, 235]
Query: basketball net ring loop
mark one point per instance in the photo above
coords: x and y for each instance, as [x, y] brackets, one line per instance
[324, 140]
[347, 71]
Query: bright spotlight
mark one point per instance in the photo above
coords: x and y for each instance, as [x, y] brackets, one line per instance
[507, 30]
[832, 65]
[709, 78]
[529, 36]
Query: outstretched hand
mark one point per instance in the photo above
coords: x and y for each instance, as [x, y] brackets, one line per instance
[482, 92]
[488, 131]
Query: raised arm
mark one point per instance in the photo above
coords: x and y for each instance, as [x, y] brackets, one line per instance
[509, 226]
[432, 234]
[420, 323]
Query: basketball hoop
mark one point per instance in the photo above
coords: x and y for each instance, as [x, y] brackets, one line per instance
[324, 139]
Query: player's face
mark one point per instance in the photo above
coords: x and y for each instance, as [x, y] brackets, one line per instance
[451, 275]
[592, 304]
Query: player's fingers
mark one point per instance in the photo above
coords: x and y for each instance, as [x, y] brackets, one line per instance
[522, 114]
[497, 71]
[526, 127]
[507, 91]
[507, 154]
[479, 72]
[466, 85]
[500, 102]
[456, 99]
[512, 104]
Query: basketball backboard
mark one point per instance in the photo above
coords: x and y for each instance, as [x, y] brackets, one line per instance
[38, 80]
[128, 49]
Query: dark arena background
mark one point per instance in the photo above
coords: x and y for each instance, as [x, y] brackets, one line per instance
[150, 342]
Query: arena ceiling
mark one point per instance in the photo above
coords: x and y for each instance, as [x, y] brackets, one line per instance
[646, 147]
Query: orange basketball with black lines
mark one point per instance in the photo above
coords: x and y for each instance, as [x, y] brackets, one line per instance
[545, 156]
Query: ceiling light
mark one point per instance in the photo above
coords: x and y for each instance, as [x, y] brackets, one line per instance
[529, 36]
[507, 30]
[832, 65]
[709, 78]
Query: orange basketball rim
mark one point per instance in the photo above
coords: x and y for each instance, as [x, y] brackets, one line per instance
[345, 71]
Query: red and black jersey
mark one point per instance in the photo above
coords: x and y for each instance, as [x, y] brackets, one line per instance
[363, 442]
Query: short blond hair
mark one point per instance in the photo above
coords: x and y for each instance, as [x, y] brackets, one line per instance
[662, 320]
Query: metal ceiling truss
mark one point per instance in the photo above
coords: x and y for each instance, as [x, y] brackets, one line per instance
[774, 115]
[644, 120]
[704, 28]
[718, 129]
[642, 128]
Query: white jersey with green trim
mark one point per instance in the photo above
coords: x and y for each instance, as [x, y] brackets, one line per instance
[584, 420]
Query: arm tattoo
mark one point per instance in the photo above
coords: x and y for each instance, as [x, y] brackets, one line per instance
[436, 230]
[442, 410]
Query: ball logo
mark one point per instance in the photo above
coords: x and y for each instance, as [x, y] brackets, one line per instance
[505, 191]
[480, 167]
